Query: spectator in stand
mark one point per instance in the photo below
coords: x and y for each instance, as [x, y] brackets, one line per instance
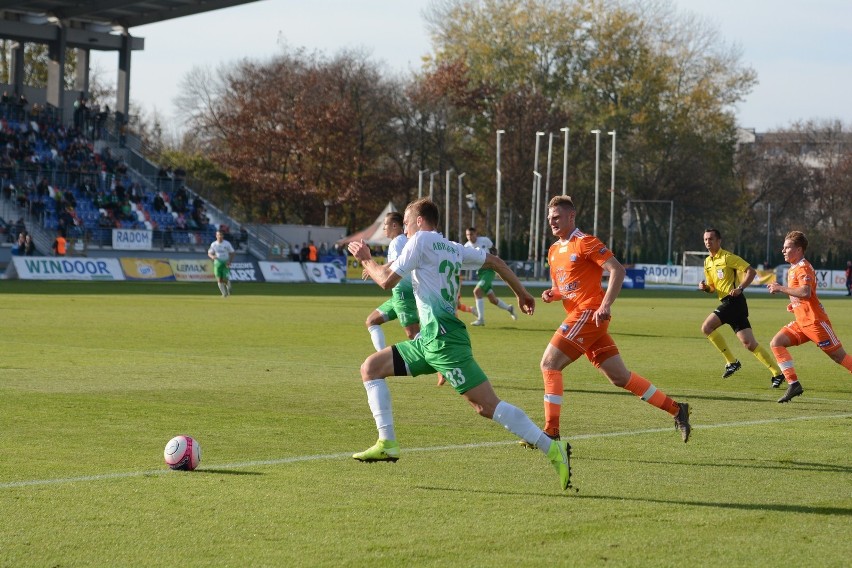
[29, 246]
[304, 252]
[159, 204]
[60, 245]
[226, 231]
[244, 236]
[104, 220]
[20, 244]
[179, 200]
[127, 211]
[79, 112]
[312, 252]
[119, 191]
[198, 217]
[295, 253]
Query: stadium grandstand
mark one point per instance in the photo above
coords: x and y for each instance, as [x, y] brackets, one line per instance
[83, 173]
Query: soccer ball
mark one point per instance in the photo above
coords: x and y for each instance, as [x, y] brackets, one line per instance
[182, 452]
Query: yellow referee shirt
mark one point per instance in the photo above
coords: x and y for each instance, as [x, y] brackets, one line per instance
[721, 269]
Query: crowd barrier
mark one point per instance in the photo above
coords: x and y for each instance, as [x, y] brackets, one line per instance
[337, 270]
[168, 270]
[692, 275]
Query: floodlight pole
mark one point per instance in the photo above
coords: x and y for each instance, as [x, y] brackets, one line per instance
[499, 191]
[447, 206]
[460, 206]
[432, 185]
[597, 134]
[543, 207]
[566, 130]
[612, 194]
[538, 136]
[420, 183]
[535, 237]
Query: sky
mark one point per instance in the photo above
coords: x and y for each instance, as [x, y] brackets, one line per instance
[800, 49]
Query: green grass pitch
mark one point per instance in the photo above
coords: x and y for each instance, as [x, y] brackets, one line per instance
[95, 378]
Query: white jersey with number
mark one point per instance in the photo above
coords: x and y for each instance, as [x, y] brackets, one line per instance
[434, 264]
[222, 251]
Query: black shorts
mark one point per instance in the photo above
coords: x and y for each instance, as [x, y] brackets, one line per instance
[734, 311]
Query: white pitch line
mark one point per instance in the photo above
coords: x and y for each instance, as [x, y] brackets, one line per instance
[297, 459]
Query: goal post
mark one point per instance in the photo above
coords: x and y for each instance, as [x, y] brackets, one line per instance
[693, 266]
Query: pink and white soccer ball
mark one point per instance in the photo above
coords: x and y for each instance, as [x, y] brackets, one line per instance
[182, 452]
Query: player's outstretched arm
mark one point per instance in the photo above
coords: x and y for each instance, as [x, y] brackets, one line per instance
[383, 275]
[525, 300]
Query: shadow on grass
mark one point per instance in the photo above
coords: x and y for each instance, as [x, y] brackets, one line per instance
[785, 465]
[780, 507]
[227, 471]
[617, 391]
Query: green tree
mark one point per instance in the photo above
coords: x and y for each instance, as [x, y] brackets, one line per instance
[799, 177]
[664, 83]
[296, 132]
[35, 64]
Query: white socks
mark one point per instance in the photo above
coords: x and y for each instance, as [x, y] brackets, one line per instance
[518, 423]
[502, 305]
[480, 309]
[379, 399]
[377, 336]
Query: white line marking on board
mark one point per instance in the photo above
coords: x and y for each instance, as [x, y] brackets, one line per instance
[298, 459]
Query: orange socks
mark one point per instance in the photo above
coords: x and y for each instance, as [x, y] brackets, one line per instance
[785, 361]
[644, 389]
[553, 391]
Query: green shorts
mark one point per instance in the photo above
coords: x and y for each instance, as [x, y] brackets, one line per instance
[486, 277]
[401, 305]
[449, 354]
[221, 270]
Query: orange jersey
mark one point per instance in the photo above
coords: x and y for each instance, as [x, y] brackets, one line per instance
[809, 310]
[576, 268]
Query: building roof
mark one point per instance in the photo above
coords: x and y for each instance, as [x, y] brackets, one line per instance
[108, 13]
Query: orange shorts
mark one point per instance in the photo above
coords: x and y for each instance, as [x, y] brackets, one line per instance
[819, 332]
[578, 334]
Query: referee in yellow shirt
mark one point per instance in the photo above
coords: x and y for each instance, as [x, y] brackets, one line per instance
[721, 271]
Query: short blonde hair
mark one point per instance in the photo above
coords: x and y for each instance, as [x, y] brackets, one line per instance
[562, 201]
[798, 239]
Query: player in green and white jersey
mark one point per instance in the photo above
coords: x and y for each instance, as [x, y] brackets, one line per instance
[401, 305]
[484, 287]
[444, 344]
